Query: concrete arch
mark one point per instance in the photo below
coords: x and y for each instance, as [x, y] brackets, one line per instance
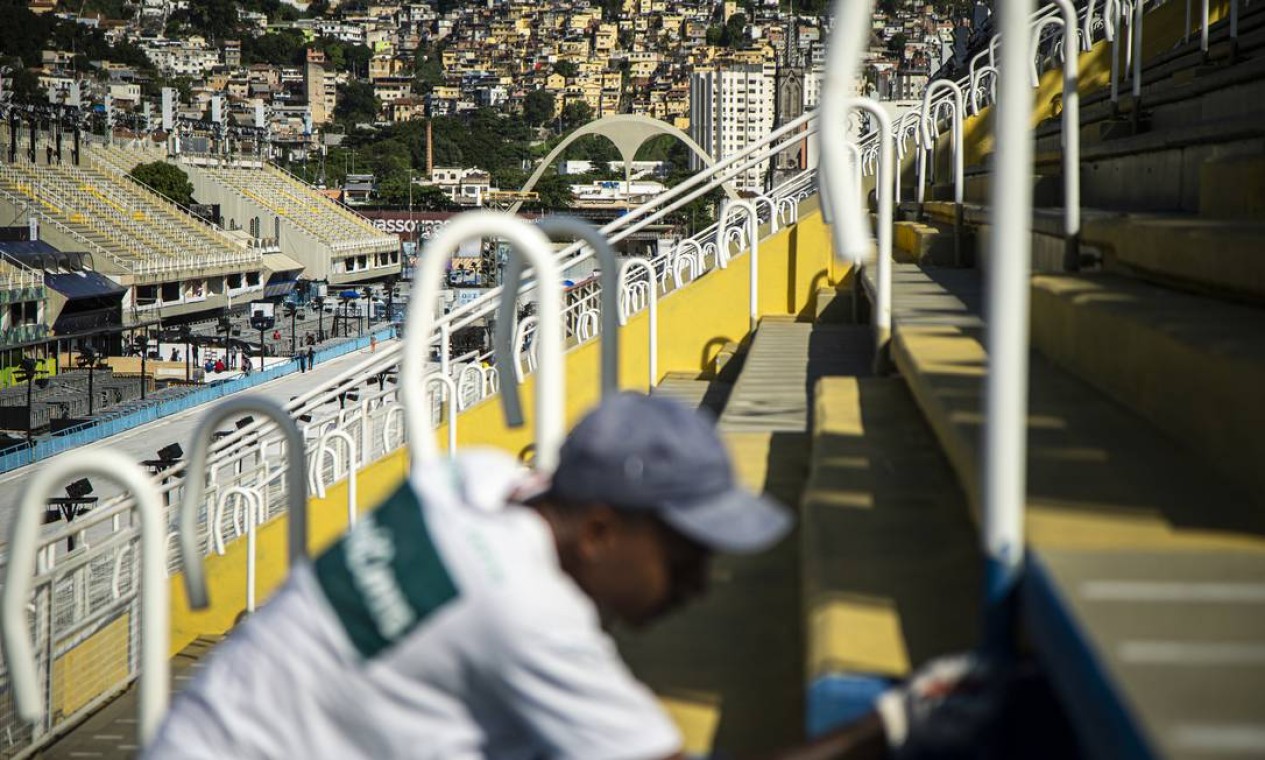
[628, 132]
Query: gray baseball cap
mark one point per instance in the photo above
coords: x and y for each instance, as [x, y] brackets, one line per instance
[653, 454]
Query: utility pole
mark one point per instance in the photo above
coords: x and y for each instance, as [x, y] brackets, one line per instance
[26, 373]
[142, 344]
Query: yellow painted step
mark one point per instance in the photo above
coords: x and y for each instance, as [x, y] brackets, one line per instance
[1099, 478]
[891, 564]
[1192, 366]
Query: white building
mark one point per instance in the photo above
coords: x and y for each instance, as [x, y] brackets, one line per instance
[731, 107]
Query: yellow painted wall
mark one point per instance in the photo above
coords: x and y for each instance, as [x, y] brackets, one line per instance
[92, 668]
[693, 324]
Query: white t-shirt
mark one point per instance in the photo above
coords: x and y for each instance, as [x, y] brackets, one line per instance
[440, 627]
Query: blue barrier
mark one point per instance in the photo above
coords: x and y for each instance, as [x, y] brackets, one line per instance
[95, 431]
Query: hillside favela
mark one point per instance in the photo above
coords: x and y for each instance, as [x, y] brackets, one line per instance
[632, 379]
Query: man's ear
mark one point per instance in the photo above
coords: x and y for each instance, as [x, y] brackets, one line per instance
[598, 529]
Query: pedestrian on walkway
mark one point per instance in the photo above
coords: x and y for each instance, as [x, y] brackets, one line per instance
[373, 343]
[311, 358]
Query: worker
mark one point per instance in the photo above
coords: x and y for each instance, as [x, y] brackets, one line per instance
[463, 617]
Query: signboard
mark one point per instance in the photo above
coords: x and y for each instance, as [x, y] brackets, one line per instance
[463, 296]
[262, 315]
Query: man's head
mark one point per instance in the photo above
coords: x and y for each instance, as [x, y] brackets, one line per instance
[643, 494]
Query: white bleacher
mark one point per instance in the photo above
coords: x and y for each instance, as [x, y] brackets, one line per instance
[144, 233]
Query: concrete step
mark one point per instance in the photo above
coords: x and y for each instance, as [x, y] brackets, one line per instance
[1215, 257]
[774, 390]
[1157, 171]
[1162, 648]
[1104, 488]
[1097, 472]
[925, 243]
[1212, 256]
[977, 187]
[891, 566]
[1232, 187]
[694, 392]
[1194, 367]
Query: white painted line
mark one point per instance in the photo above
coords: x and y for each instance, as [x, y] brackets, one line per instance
[1163, 591]
[1192, 653]
[1224, 738]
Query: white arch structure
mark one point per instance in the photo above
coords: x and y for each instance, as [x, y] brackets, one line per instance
[628, 132]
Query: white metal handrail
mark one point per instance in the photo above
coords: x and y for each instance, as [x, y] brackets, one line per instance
[19, 651]
[554, 227]
[525, 240]
[652, 292]
[955, 105]
[296, 488]
[753, 225]
[449, 388]
[323, 449]
[1071, 131]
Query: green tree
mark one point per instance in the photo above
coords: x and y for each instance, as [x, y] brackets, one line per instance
[217, 19]
[356, 103]
[279, 48]
[428, 70]
[567, 69]
[538, 107]
[554, 193]
[168, 180]
[22, 82]
[576, 114]
[736, 30]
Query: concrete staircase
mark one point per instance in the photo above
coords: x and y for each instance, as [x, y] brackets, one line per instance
[1145, 515]
[731, 669]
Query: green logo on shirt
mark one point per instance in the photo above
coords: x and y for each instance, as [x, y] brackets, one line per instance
[385, 576]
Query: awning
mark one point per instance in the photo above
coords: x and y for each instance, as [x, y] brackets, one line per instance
[279, 262]
[78, 285]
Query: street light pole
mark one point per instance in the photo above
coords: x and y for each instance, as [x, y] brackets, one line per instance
[143, 343]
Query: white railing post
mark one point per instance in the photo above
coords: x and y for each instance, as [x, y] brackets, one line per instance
[851, 29]
[155, 603]
[753, 225]
[1004, 464]
[928, 125]
[194, 486]
[1071, 139]
[450, 390]
[1135, 29]
[526, 240]
[885, 184]
[653, 317]
[318, 468]
[569, 226]
[1203, 26]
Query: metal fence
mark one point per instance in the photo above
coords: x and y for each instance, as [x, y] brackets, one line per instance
[95, 431]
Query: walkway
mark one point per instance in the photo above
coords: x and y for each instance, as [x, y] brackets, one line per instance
[143, 442]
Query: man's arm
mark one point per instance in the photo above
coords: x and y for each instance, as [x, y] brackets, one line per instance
[863, 739]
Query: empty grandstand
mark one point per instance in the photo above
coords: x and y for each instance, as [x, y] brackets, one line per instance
[171, 263]
[333, 243]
